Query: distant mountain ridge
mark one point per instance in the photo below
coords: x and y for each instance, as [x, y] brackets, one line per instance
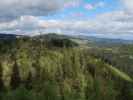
[105, 40]
[110, 41]
[8, 36]
[50, 36]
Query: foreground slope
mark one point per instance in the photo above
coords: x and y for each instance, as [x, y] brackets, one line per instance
[33, 69]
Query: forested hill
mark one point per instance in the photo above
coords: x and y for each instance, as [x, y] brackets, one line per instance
[51, 36]
[42, 69]
[9, 36]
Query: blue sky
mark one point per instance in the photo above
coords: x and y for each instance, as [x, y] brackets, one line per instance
[77, 9]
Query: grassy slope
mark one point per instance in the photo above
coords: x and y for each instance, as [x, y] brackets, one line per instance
[119, 73]
[116, 72]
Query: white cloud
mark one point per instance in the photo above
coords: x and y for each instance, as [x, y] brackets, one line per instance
[118, 22]
[128, 5]
[12, 9]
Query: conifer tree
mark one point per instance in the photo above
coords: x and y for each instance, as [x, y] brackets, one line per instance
[1, 80]
[28, 82]
[15, 77]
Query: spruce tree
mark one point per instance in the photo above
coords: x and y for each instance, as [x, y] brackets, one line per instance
[1, 80]
[15, 77]
[28, 82]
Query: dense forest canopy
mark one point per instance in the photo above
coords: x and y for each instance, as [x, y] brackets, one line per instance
[61, 69]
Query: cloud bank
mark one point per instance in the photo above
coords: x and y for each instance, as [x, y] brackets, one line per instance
[21, 17]
[12, 9]
[128, 5]
[118, 22]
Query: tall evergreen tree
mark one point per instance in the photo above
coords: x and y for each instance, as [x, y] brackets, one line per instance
[1, 80]
[15, 77]
[28, 82]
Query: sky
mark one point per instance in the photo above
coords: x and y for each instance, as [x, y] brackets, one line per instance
[101, 18]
